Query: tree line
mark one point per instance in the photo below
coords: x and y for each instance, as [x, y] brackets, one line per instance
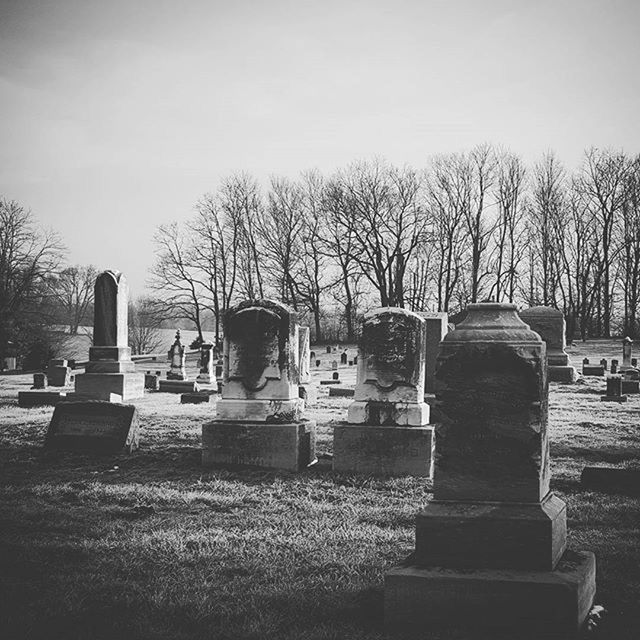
[469, 226]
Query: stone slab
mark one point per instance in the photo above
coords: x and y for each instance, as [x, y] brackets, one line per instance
[274, 411]
[491, 535]
[102, 386]
[415, 414]
[617, 399]
[330, 381]
[195, 398]
[383, 450]
[518, 604]
[28, 399]
[101, 427]
[592, 370]
[562, 374]
[342, 392]
[178, 386]
[611, 480]
[631, 386]
[290, 447]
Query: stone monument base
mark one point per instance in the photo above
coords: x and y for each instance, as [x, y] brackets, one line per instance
[209, 380]
[562, 373]
[527, 604]
[287, 446]
[276, 411]
[178, 386]
[371, 412]
[309, 393]
[28, 399]
[104, 386]
[392, 450]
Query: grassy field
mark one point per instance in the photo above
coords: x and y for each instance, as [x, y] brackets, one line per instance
[151, 546]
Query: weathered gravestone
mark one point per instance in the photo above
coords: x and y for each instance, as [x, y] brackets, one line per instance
[39, 381]
[151, 381]
[110, 374]
[97, 426]
[593, 370]
[307, 391]
[614, 390]
[603, 363]
[58, 373]
[177, 360]
[490, 547]
[259, 418]
[386, 430]
[343, 357]
[206, 375]
[550, 325]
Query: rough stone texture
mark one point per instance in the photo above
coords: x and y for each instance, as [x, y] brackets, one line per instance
[261, 368]
[110, 319]
[110, 375]
[562, 374]
[390, 376]
[611, 480]
[437, 327]
[177, 360]
[103, 427]
[28, 399]
[290, 447]
[178, 386]
[380, 450]
[39, 381]
[523, 604]
[491, 535]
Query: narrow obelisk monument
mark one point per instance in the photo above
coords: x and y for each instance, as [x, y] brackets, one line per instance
[260, 419]
[550, 324]
[387, 428]
[491, 545]
[110, 373]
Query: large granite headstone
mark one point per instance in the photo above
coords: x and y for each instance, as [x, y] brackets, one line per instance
[491, 545]
[110, 374]
[386, 430]
[550, 325]
[97, 426]
[259, 419]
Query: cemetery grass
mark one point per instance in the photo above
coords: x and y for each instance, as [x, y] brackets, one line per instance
[150, 545]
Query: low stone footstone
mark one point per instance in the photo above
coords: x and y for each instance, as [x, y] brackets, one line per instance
[337, 391]
[550, 325]
[27, 399]
[386, 430]
[178, 386]
[611, 480]
[260, 417]
[97, 426]
[333, 381]
[151, 381]
[335, 375]
[614, 390]
[491, 545]
[306, 389]
[592, 370]
[585, 361]
[110, 374]
[196, 398]
[39, 381]
[177, 360]
[58, 373]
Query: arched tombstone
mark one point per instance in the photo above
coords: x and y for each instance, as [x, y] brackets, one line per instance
[260, 419]
[110, 373]
[490, 546]
[386, 430]
[206, 374]
[306, 390]
[550, 325]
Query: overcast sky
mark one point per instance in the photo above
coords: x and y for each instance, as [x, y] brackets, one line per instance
[117, 115]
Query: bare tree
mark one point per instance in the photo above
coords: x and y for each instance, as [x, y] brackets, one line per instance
[73, 291]
[630, 255]
[144, 325]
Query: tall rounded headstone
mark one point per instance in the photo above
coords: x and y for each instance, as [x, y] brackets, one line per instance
[490, 547]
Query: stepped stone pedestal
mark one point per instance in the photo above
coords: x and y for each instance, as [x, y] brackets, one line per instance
[491, 546]
[260, 417]
[110, 374]
[387, 428]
